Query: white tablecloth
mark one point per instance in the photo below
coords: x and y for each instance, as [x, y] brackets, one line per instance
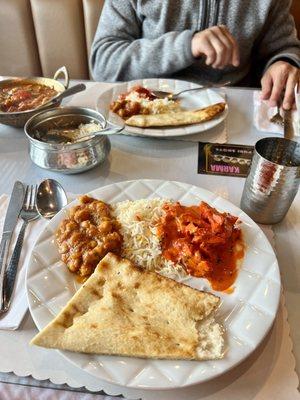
[134, 158]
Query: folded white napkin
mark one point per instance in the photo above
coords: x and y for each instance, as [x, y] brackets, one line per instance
[262, 114]
[13, 318]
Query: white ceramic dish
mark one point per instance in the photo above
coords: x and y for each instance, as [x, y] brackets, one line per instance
[193, 100]
[247, 314]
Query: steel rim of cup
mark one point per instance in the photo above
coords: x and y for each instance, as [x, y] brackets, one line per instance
[276, 139]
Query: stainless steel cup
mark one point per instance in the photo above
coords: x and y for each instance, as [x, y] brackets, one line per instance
[273, 180]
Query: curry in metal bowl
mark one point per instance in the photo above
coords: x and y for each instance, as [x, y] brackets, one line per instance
[24, 96]
[21, 98]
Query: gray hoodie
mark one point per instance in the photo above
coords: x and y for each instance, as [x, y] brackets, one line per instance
[152, 38]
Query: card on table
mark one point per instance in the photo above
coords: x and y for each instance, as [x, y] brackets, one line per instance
[224, 159]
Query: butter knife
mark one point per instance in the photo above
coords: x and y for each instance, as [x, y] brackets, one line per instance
[10, 222]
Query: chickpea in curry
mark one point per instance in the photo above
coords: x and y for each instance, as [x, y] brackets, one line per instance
[87, 235]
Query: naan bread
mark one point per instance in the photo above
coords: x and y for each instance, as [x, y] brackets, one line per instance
[124, 310]
[176, 118]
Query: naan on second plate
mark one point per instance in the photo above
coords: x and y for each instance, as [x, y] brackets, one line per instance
[176, 118]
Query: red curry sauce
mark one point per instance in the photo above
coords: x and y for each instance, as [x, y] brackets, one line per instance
[206, 242]
[125, 108]
[22, 96]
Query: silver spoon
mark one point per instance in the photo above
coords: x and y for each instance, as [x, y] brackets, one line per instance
[50, 198]
[110, 129]
[66, 93]
[173, 96]
[65, 136]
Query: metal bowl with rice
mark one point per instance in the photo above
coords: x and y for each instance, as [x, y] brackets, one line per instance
[56, 139]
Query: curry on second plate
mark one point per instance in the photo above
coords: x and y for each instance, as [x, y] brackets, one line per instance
[140, 107]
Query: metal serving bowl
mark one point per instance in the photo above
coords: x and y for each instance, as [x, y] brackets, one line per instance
[68, 158]
[18, 119]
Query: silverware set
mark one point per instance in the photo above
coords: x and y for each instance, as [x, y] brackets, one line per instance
[28, 203]
[11, 220]
[28, 213]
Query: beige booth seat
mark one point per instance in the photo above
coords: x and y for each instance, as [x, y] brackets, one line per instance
[18, 47]
[39, 36]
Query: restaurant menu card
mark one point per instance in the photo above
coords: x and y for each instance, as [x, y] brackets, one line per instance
[224, 159]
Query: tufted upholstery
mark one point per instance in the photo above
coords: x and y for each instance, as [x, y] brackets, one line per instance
[38, 36]
[42, 35]
[18, 47]
[60, 35]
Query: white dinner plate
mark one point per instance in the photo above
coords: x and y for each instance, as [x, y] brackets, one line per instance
[190, 101]
[247, 314]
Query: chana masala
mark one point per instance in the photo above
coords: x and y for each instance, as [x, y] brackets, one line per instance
[87, 235]
[22, 96]
[206, 242]
[125, 106]
[139, 100]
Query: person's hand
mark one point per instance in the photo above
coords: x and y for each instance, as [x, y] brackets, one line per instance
[218, 46]
[279, 80]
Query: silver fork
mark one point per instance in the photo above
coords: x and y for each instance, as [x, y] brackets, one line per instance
[27, 214]
[173, 96]
[277, 118]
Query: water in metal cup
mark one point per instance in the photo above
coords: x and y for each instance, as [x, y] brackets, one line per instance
[273, 180]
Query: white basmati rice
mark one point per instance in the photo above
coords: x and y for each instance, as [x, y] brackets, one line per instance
[141, 244]
[156, 106]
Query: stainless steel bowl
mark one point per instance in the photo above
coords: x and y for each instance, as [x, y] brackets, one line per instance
[18, 119]
[68, 158]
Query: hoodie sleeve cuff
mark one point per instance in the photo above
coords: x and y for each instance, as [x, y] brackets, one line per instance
[285, 56]
[186, 41]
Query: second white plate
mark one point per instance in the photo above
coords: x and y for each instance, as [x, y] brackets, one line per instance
[191, 101]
